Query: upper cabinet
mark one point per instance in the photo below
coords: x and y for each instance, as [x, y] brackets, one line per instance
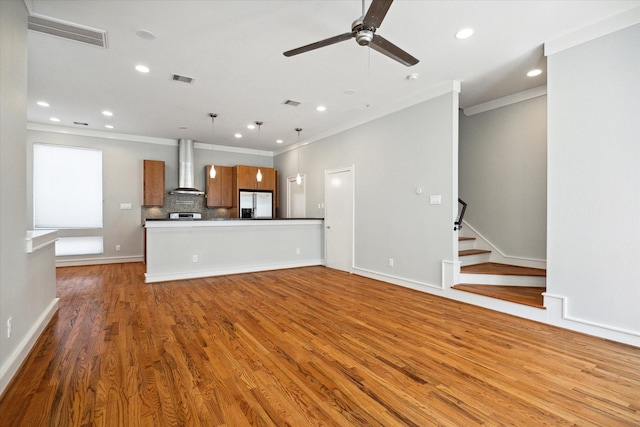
[218, 190]
[153, 183]
[246, 178]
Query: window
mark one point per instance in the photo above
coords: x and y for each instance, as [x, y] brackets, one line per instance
[67, 193]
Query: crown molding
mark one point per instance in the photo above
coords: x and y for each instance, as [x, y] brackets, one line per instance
[139, 138]
[506, 100]
[591, 32]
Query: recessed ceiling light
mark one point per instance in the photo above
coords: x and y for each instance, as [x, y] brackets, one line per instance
[238, 135]
[321, 108]
[535, 72]
[107, 113]
[43, 103]
[279, 141]
[142, 68]
[145, 34]
[54, 119]
[251, 126]
[464, 33]
[109, 126]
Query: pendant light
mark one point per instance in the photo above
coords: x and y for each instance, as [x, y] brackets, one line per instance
[212, 172]
[259, 174]
[298, 177]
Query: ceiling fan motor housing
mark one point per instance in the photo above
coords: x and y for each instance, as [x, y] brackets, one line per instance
[364, 37]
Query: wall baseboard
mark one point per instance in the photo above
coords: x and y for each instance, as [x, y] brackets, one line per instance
[395, 280]
[558, 309]
[15, 360]
[97, 261]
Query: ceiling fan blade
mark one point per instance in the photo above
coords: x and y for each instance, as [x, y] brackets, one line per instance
[376, 13]
[385, 47]
[321, 43]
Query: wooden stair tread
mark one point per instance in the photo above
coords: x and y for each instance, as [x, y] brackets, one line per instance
[526, 295]
[502, 269]
[468, 252]
[461, 239]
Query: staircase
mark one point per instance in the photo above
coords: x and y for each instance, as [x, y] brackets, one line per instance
[478, 275]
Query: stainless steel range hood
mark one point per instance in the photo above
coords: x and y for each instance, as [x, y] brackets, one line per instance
[186, 169]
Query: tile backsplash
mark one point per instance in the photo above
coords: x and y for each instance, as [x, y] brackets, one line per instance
[183, 203]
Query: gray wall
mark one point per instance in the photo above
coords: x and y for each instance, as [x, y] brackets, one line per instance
[503, 176]
[594, 179]
[393, 156]
[23, 296]
[122, 183]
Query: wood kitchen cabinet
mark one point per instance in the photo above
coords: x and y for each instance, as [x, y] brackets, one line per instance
[219, 190]
[153, 183]
[245, 177]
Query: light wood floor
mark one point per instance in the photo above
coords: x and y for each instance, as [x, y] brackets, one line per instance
[306, 347]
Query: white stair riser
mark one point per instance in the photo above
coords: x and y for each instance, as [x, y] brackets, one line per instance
[498, 279]
[474, 259]
[464, 245]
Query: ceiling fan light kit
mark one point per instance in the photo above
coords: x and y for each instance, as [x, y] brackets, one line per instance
[363, 30]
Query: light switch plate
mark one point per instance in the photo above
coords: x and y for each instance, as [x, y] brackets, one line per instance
[435, 199]
[125, 206]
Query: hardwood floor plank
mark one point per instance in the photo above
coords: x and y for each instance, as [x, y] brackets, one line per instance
[306, 347]
[526, 295]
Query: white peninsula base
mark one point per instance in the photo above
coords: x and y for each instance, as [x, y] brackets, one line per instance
[189, 249]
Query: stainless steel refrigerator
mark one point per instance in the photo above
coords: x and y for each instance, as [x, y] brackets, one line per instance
[256, 204]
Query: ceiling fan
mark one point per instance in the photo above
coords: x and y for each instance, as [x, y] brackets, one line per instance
[363, 30]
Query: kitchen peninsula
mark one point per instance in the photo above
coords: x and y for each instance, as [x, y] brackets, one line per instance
[185, 249]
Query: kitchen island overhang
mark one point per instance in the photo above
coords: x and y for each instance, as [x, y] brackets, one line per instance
[187, 249]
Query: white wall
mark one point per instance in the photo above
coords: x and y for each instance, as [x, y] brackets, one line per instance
[27, 287]
[503, 176]
[393, 156]
[122, 183]
[594, 180]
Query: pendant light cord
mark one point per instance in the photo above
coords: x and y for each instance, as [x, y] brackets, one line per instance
[298, 177]
[212, 172]
[259, 124]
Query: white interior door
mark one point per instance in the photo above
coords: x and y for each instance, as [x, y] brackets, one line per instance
[338, 219]
[296, 198]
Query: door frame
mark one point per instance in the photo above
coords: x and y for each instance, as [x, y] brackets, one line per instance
[352, 170]
[290, 180]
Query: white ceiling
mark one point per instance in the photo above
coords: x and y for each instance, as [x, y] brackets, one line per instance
[233, 50]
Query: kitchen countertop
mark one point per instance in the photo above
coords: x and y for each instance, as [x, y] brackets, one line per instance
[235, 219]
[228, 222]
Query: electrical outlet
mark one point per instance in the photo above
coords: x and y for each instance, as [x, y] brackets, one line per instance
[9, 326]
[117, 248]
[390, 262]
[195, 258]
[297, 251]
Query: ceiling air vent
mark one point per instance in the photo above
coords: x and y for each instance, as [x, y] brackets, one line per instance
[291, 103]
[68, 30]
[179, 78]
